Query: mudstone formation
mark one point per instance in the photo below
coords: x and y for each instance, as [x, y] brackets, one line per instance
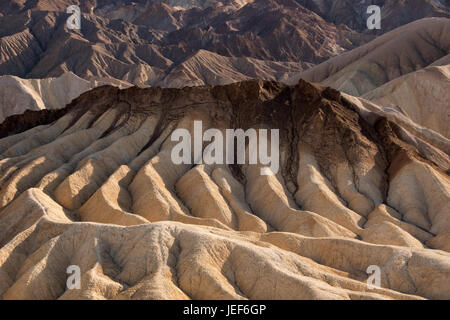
[93, 185]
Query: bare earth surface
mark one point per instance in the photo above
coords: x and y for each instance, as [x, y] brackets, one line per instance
[148, 42]
[404, 73]
[87, 177]
[93, 185]
[160, 42]
[18, 95]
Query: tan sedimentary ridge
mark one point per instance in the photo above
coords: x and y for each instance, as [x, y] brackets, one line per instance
[404, 73]
[409, 48]
[423, 96]
[94, 186]
[18, 95]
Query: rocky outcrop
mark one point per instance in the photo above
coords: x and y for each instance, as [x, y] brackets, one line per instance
[94, 186]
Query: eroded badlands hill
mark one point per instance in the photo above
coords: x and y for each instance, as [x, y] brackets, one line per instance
[423, 96]
[394, 13]
[94, 185]
[147, 42]
[410, 48]
[405, 72]
[18, 95]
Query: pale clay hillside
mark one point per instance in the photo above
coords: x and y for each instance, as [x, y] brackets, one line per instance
[87, 176]
[402, 82]
[97, 188]
[18, 95]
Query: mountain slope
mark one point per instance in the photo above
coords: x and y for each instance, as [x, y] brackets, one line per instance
[401, 51]
[423, 96]
[141, 42]
[405, 72]
[353, 190]
[209, 68]
[143, 47]
[394, 13]
[18, 95]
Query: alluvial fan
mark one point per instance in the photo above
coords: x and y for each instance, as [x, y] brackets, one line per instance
[94, 185]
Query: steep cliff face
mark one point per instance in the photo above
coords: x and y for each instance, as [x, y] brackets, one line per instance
[94, 185]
